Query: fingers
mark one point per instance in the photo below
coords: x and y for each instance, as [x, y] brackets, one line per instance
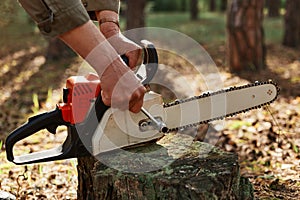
[125, 46]
[137, 99]
[132, 103]
[135, 57]
[105, 98]
[121, 88]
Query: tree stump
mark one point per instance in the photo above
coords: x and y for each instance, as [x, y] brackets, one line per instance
[175, 167]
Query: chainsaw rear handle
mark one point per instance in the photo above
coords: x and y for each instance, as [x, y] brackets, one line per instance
[71, 148]
[49, 120]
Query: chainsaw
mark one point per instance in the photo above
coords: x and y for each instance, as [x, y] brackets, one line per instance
[94, 128]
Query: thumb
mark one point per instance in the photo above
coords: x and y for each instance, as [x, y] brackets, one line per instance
[105, 98]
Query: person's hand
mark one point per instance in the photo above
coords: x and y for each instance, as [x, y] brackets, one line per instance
[121, 88]
[121, 44]
[128, 48]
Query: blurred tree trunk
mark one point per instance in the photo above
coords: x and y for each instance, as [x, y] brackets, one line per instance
[183, 5]
[246, 48]
[194, 10]
[223, 5]
[292, 24]
[58, 50]
[135, 15]
[273, 7]
[212, 5]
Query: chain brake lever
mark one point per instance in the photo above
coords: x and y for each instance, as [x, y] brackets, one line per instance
[148, 69]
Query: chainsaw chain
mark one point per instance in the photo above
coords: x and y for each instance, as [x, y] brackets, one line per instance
[208, 94]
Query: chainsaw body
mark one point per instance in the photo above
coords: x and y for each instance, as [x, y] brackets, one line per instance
[91, 127]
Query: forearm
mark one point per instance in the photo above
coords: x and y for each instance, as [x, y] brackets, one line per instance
[68, 20]
[90, 44]
[109, 26]
[83, 39]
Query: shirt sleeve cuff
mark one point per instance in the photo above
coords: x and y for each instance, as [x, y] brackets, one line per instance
[62, 22]
[99, 5]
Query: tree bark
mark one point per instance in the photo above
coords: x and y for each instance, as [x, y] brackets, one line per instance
[174, 168]
[245, 42]
[273, 8]
[212, 5]
[183, 5]
[135, 14]
[223, 6]
[292, 24]
[194, 10]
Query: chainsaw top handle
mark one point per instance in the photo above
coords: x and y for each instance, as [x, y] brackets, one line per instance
[150, 63]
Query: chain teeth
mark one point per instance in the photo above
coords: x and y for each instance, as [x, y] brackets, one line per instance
[208, 94]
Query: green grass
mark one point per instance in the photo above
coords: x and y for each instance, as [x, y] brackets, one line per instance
[210, 27]
[274, 29]
[237, 124]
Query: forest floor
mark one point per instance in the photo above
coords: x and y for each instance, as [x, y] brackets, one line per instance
[266, 140]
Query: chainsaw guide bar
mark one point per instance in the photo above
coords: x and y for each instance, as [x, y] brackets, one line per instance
[273, 92]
